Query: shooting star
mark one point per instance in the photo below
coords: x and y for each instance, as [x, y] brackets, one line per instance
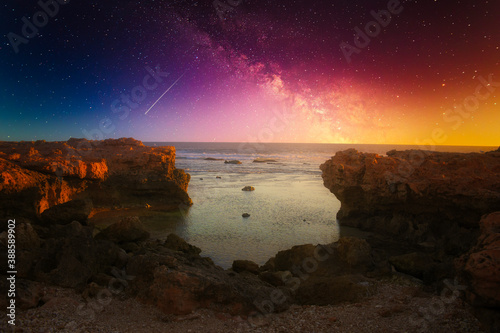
[166, 91]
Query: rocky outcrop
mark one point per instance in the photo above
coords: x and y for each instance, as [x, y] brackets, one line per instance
[418, 196]
[424, 211]
[323, 274]
[455, 185]
[480, 267]
[130, 229]
[179, 283]
[479, 270]
[35, 176]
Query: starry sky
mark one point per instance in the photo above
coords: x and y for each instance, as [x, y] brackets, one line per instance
[339, 71]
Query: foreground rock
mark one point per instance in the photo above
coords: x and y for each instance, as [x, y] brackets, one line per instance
[130, 229]
[323, 274]
[35, 176]
[170, 275]
[480, 270]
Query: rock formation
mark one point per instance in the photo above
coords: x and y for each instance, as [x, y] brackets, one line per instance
[419, 196]
[424, 211]
[35, 176]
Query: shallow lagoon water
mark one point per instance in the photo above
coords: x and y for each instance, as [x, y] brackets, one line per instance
[285, 210]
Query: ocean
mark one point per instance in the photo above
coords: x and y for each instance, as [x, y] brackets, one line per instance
[289, 206]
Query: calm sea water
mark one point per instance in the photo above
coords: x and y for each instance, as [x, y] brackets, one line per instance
[290, 205]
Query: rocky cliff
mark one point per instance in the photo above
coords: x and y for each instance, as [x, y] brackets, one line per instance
[35, 176]
[432, 215]
[416, 195]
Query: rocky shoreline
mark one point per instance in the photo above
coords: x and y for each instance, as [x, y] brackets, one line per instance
[51, 189]
[432, 215]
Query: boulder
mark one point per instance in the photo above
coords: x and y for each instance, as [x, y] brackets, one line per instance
[65, 213]
[419, 265]
[68, 256]
[480, 267]
[176, 243]
[245, 266]
[180, 284]
[248, 188]
[129, 229]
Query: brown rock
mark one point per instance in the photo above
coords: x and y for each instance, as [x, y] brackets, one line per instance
[176, 243]
[129, 229]
[74, 210]
[415, 264]
[480, 267]
[245, 266]
[414, 181]
[26, 237]
[35, 176]
[179, 284]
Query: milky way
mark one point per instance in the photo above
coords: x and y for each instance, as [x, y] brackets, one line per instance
[409, 72]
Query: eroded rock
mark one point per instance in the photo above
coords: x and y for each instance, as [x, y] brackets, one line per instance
[129, 229]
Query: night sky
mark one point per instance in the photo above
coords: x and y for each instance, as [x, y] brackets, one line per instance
[252, 70]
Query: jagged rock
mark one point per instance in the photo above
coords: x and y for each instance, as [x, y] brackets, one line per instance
[415, 264]
[314, 268]
[176, 243]
[129, 229]
[74, 210]
[356, 252]
[276, 279]
[480, 267]
[180, 284]
[26, 237]
[245, 266]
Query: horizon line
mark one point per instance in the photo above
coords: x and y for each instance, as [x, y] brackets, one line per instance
[256, 142]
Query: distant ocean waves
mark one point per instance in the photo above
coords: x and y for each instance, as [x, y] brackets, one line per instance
[286, 157]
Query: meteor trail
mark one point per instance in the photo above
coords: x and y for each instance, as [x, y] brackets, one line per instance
[166, 91]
